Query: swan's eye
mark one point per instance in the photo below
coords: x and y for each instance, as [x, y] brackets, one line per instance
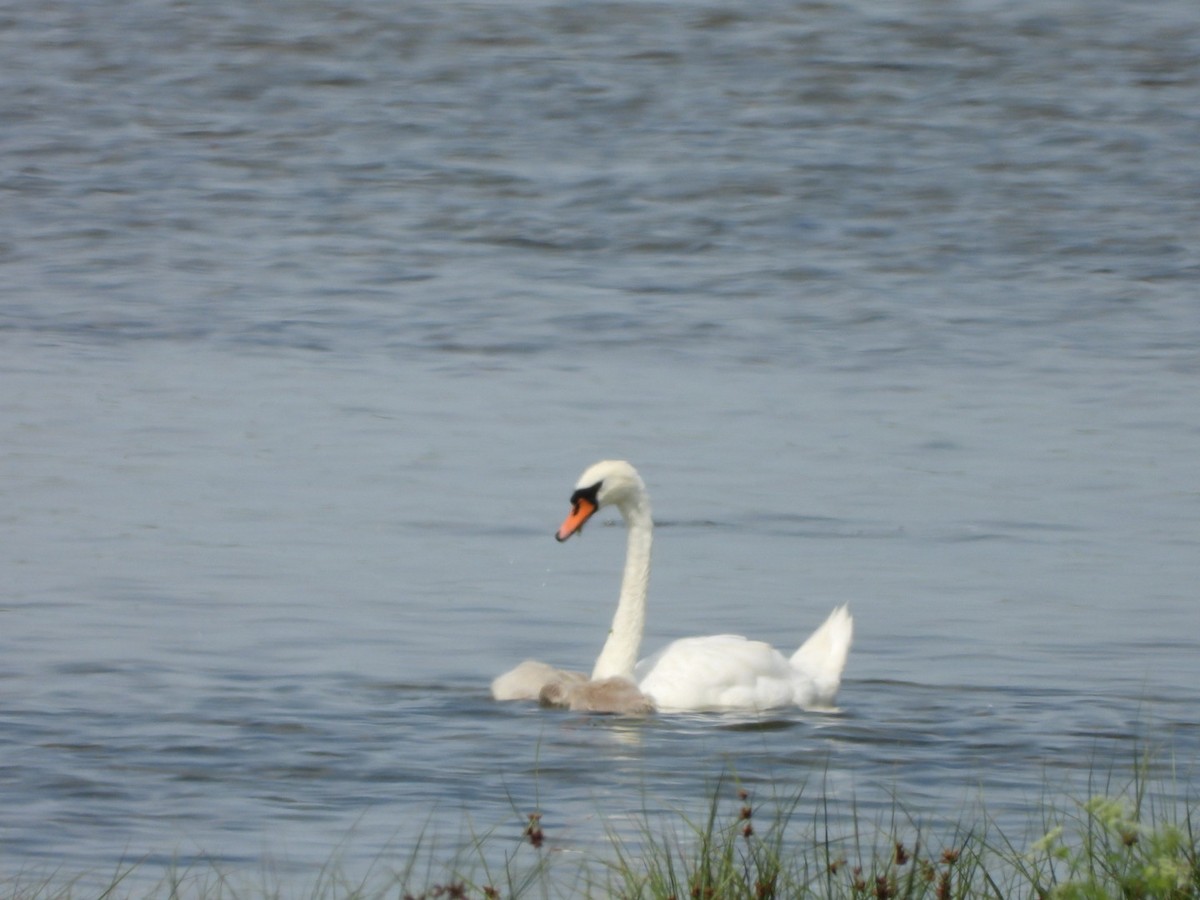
[590, 494]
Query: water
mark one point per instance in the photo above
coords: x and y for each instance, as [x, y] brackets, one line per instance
[313, 312]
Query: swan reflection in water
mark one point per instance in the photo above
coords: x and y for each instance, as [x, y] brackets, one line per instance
[716, 672]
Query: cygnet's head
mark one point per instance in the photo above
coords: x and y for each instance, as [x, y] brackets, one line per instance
[610, 482]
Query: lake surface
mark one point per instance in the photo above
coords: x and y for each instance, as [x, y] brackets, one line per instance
[311, 313]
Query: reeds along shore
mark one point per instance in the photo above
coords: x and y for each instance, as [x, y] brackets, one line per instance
[1126, 843]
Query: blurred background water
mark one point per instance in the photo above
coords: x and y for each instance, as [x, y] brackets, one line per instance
[311, 312]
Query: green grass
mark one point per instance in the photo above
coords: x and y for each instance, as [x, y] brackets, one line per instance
[1117, 841]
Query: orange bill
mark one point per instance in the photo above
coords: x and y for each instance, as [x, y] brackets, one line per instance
[580, 513]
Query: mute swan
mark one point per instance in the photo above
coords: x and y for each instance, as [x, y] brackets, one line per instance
[608, 695]
[718, 672]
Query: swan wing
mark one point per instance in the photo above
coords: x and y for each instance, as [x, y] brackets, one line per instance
[722, 671]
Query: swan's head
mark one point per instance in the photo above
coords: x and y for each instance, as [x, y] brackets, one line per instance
[611, 482]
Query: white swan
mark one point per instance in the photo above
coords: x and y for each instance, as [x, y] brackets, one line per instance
[718, 672]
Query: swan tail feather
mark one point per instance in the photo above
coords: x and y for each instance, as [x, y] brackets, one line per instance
[822, 657]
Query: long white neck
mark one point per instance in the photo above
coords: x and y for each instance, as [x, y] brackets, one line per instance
[625, 637]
